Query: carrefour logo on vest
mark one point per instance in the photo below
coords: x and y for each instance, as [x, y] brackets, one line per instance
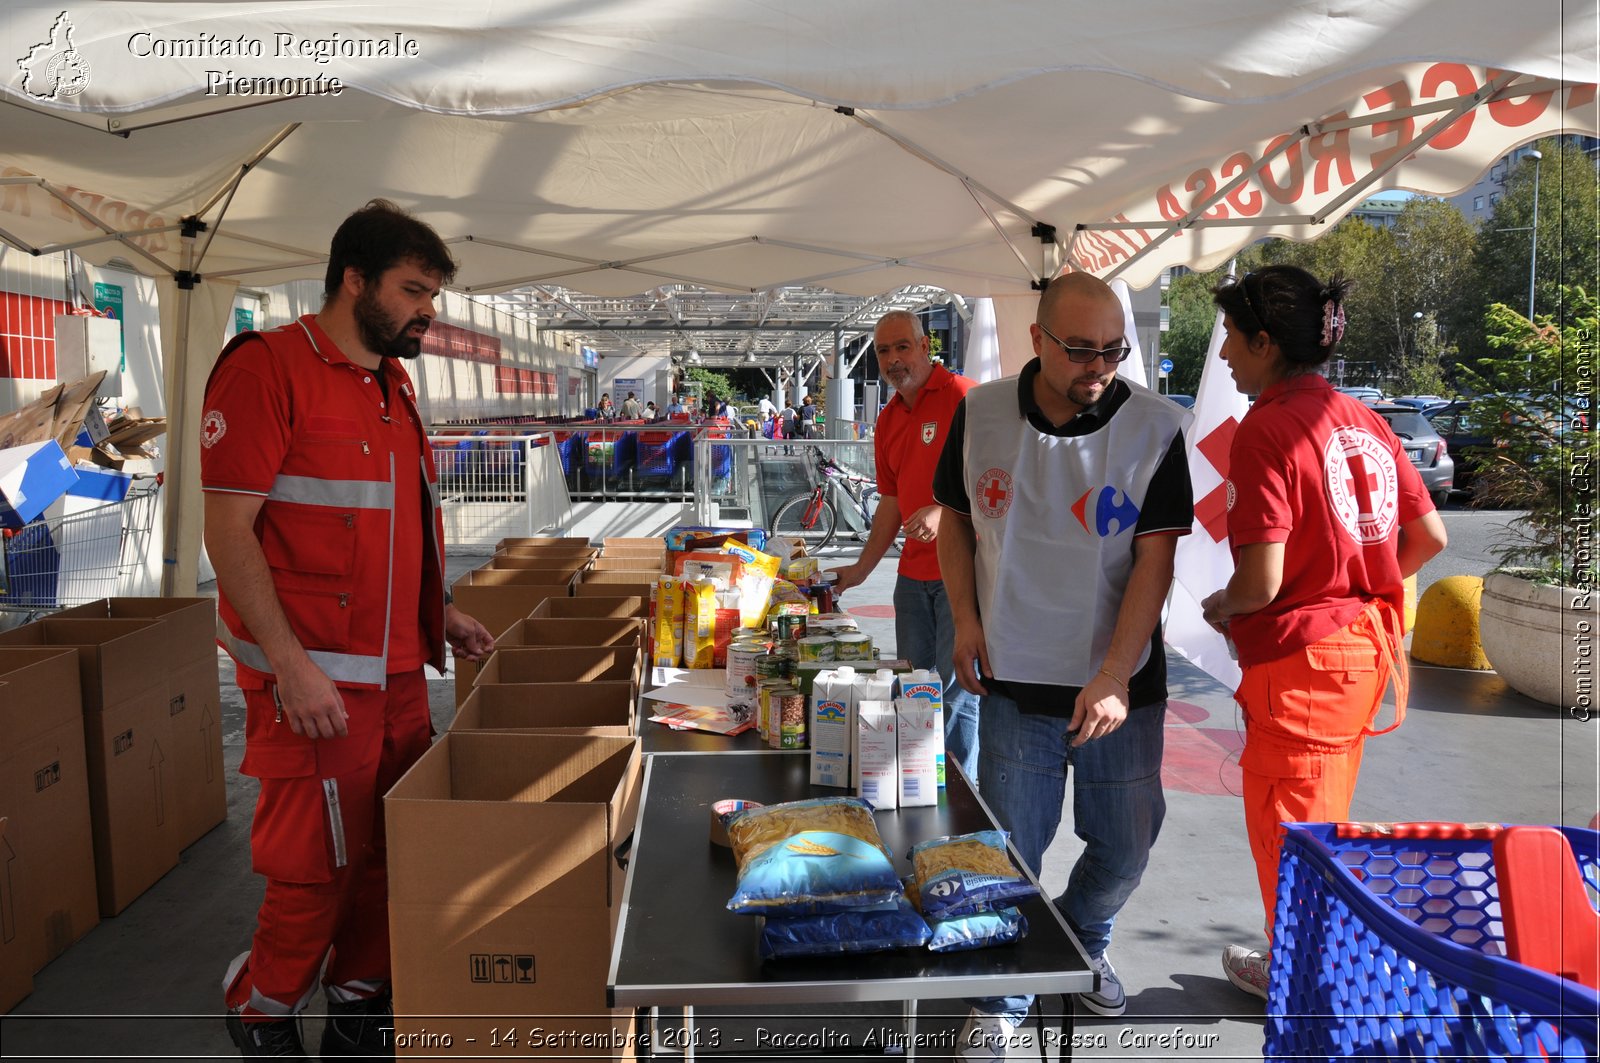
[1098, 515]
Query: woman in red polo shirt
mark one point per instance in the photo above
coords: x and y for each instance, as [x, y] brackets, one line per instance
[1326, 518]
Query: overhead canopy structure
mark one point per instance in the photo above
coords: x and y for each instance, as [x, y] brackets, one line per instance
[746, 145]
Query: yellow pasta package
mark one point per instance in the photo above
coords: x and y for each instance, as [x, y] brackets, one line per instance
[699, 623]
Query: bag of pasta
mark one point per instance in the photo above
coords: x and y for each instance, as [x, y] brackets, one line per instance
[966, 873]
[890, 925]
[808, 857]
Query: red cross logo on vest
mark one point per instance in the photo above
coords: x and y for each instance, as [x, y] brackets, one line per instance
[1363, 487]
[994, 493]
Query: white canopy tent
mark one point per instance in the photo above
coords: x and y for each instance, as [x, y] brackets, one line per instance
[741, 145]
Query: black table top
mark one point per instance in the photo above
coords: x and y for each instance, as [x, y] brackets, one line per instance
[676, 942]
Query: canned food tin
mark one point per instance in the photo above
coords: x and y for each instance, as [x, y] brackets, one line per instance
[769, 666]
[743, 656]
[832, 625]
[816, 648]
[852, 646]
[791, 717]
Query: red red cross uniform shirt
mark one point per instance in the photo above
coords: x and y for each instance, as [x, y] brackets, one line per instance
[1321, 473]
[907, 443]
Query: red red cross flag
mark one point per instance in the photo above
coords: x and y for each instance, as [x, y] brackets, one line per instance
[1204, 563]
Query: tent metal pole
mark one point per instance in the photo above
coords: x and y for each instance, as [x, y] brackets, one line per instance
[177, 500]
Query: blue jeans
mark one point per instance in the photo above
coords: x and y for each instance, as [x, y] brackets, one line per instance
[925, 635]
[1117, 809]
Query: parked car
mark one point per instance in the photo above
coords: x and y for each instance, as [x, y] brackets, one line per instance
[1366, 395]
[1186, 401]
[1427, 450]
[1421, 402]
[1466, 446]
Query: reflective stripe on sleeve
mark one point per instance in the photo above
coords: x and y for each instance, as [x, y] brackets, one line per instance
[312, 491]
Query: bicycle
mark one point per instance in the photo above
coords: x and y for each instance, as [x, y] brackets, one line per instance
[813, 516]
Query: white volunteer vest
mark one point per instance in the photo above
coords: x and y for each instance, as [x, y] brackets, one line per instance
[1054, 518]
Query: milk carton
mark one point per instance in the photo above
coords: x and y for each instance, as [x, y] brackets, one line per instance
[926, 685]
[920, 741]
[833, 706]
[877, 756]
[878, 686]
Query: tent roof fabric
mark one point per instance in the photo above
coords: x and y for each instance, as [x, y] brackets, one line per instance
[743, 146]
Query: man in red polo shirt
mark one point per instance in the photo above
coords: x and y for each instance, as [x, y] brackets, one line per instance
[907, 443]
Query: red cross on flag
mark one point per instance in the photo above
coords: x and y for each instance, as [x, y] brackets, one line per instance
[1204, 563]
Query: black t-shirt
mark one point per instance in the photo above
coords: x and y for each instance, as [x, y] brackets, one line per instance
[1168, 506]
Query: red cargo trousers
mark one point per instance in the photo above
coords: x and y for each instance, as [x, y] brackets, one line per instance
[318, 839]
[1307, 717]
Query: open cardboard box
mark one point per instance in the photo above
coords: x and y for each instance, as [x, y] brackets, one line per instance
[505, 888]
[596, 708]
[49, 882]
[194, 701]
[128, 737]
[498, 598]
[631, 605]
[566, 664]
[542, 540]
[574, 632]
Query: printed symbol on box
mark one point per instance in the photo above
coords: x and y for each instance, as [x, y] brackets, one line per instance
[502, 967]
[994, 492]
[47, 776]
[525, 969]
[176, 705]
[480, 967]
[122, 743]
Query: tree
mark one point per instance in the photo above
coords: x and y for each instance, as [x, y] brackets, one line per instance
[1428, 271]
[1569, 241]
[1190, 316]
[713, 382]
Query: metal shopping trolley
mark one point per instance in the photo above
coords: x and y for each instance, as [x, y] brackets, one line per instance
[77, 555]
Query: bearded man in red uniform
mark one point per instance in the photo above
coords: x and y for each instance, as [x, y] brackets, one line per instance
[322, 520]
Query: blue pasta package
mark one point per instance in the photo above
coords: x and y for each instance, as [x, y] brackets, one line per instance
[966, 873]
[809, 857]
[980, 930]
[891, 925]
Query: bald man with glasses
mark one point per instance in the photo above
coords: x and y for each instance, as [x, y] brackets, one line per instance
[1065, 491]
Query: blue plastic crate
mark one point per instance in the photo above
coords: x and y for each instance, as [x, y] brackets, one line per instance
[1393, 948]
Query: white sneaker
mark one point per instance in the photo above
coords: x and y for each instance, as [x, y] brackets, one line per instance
[1249, 969]
[1109, 1000]
[986, 1035]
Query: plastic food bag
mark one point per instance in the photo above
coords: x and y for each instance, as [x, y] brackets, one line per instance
[891, 925]
[808, 857]
[966, 873]
[980, 930]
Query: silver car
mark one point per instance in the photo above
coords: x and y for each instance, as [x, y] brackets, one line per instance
[1424, 446]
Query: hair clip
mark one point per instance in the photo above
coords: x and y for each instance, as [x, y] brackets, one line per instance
[1332, 322]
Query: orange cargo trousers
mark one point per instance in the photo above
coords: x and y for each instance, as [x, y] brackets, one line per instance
[318, 839]
[1307, 717]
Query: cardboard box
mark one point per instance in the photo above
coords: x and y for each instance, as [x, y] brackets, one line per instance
[49, 881]
[647, 566]
[31, 477]
[575, 632]
[566, 664]
[652, 542]
[541, 540]
[504, 888]
[128, 736]
[499, 599]
[56, 415]
[583, 552]
[592, 607]
[598, 708]
[194, 702]
[557, 569]
[16, 974]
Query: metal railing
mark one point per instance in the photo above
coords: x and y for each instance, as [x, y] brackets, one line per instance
[496, 485]
[749, 480]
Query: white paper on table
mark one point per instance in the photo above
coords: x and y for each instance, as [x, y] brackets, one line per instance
[690, 686]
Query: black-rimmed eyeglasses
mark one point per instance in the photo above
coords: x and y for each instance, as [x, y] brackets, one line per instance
[1085, 355]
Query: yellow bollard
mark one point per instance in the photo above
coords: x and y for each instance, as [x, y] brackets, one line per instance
[1446, 629]
[1410, 610]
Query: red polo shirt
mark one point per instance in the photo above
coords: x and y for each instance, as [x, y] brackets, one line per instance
[1322, 474]
[907, 444]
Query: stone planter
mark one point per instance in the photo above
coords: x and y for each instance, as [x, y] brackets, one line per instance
[1533, 636]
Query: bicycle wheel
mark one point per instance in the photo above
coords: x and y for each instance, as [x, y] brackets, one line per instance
[808, 517]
